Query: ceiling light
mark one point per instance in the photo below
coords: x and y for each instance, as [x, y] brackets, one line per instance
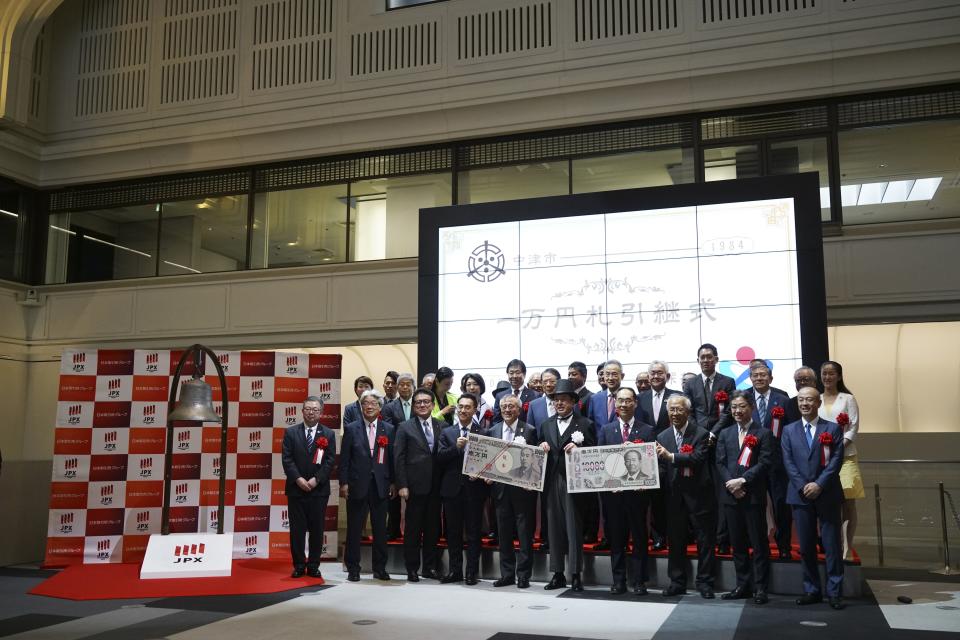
[897, 191]
[824, 197]
[9, 213]
[62, 230]
[848, 194]
[871, 193]
[119, 246]
[924, 188]
[174, 264]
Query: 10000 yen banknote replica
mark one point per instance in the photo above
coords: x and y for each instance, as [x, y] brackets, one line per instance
[613, 468]
[512, 463]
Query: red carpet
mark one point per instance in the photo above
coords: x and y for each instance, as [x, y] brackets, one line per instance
[113, 581]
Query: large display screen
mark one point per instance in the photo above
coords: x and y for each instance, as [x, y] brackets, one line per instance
[620, 275]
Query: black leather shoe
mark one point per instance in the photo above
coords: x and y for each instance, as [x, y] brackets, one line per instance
[740, 593]
[353, 576]
[707, 593]
[674, 590]
[412, 577]
[544, 546]
[314, 573]
[558, 581]
[298, 572]
[575, 582]
[451, 577]
[723, 549]
[523, 583]
[471, 579]
[618, 589]
[640, 589]
[659, 545]
[503, 582]
[603, 545]
[381, 575]
[432, 575]
[761, 598]
[809, 598]
[836, 603]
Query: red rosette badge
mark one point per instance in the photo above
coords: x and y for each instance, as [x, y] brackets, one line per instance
[321, 444]
[382, 443]
[776, 424]
[721, 398]
[825, 449]
[686, 471]
[750, 443]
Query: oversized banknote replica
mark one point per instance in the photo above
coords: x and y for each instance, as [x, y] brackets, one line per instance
[514, 463]
[618, 467]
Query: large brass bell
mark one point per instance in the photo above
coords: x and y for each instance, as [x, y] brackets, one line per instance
[195, 403]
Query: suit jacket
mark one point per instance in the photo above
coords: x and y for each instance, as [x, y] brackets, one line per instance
[705, 409]
[537, 414]
[358, 466]
[803, 463]
[392, 411]
[550, 433]
[700, 484]
[610, 433]
[777, 399]
[414, 465]
[450, 459]
[530, 435]
[729, 468]
[585, 395]
[597, 409]
[297, 458]
[352, 413]
[527, 395]
[645, 408]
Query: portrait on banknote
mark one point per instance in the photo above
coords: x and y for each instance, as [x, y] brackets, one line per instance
[514, 463]
[621, 467]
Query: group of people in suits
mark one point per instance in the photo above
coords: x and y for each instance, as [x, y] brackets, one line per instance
[722, 453]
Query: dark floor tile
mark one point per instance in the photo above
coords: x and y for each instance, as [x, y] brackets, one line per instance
[30, 621]
[162, 627]
[234, 604]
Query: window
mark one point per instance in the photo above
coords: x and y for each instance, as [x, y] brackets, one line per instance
[631, 170]
[300, 227]
[201, 236]
[902, 172]
[730, 163]
[515, 181]
[10, 221]
[799, 156]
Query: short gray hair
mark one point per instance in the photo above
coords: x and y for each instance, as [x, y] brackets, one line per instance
[407, 376]
[368, 393]
[653, 363]
[313, 399]
[683, 398]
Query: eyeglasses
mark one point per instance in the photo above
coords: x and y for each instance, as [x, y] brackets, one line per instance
[422, 402]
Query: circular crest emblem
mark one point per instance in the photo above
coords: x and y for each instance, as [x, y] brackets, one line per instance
[485, 263]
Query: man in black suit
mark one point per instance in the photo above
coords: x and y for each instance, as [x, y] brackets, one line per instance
[564, 432]
[516, 375]
[803, 377]
[577, 373]
[463, 497]
[417, 477]
[515, 507]
[691, 499]
[626, 511]
[308, 453]
[396, 412]
[366, 481]
[652, 409]
[390, 386]
[352, 412]
[744, 456]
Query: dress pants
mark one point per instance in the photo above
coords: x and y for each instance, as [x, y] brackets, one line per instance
[357, 511]
[516, 517]
[782, 513]
[463, 515]
[747, 524]
[306, 515]
[393, 517]
[626, 516]
[566, 525]
[806, 518]
[421, 532]
[683, 513]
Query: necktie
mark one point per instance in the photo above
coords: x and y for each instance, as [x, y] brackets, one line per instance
[371, 436]
[679, 438]
[741, 436]
[516, 393]
[762, 409]
[463, 431]
[609, 405]
[309, 435]
[508, 433]
[707, 386]
[551, 410]
[656, 407]
[809, 428]
[626, 431]
[428, 432]
[406, 409]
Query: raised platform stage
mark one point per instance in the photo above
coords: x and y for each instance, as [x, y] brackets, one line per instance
[785, 575]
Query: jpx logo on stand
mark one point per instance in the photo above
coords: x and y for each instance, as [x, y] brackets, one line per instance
[184, 553]
[183, 441]
[250, 545]
[224, 359]
[113, 388]
[255, 440]
[284, 519]
[253, 492]
[146, 468]
[106, 495]
[143, 520]
[216, 468]
[324, 390]
[103, 550]
[149, 413]
[79, 362]
[66, 523]
[180, 493]
[290, 415]
[73, 413]
[214, 519]
[152, 362]
[70, 468]
[292, 362]
[110, 441]
[256, 389]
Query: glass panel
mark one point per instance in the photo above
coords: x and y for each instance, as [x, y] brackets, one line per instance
[300, 227]
[800, 156]
[903, 172]
[385, 213]
[631, 170]
[203, 236]
[729, 163]
[514, 182]
[108, 244]
[9, 226]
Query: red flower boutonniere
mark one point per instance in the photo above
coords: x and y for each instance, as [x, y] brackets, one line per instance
[721, 398]
[825, 449]
[776, 423]
[746, 453]
[843, 420]
[382, 443]
[488, 414]
[637, 441]
[687, 471]
[750, 441]
[526, 406]
[321, 444]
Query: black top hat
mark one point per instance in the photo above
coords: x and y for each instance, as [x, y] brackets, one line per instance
[567, 388]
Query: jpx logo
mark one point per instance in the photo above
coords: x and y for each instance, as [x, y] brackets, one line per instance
[219, 410]
[214, 519]
[180, 493]
[224, 359]
[110, 441]
[73, 413]
[183, 441]
[146, 468]
[284, 519]
[103, 550]
[290, 415]
[325, 391]
[292, 362]
[143, 520]
[70, 468]
[149, 413]
[250, 545]
[113, 388]
[256, 389]
[79, 362]
[184, 553]
[216, 467]
[66, 523]
[106, 495]
[153, 362]
[253, 491]
[255, 440]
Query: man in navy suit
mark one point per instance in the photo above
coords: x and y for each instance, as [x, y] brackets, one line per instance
[366, 481]
[765, 400]
[515, 507]
[516, 374]
[542, 408]
[463, 497]
[744, 455]
[352, 413]
[602, 408]
[652, 409]
[626, 511]
[308, 453]
[417, 477]
[687, 478]
[812, 454]
[564, 511]
[396, 412]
